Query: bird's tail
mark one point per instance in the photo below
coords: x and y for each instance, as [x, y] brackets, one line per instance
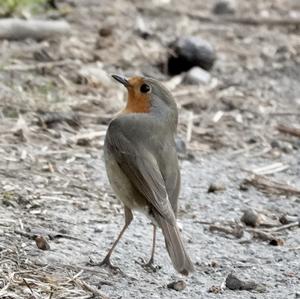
[175, 247]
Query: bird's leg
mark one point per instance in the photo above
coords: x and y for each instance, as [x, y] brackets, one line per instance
[151, 260]
[106, 261]
[150, 264]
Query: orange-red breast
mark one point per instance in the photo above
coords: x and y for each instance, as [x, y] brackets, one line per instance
[142, 165]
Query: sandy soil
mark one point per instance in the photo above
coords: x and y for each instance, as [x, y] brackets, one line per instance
[52, 177]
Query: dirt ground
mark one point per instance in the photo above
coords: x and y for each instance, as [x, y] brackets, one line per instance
[56, 99]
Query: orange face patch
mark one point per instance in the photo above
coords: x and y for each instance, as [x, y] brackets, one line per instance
[138, 102]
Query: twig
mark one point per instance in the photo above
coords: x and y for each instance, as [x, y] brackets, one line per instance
[264, 236]
[264, 184]
[90, 288]
[203, 222]
[16, 29]
[86, 138]
[75, 276]
[255, 21]
[261, 234]
[86, 269]
[284, 113]
[271, 21]
[284, 227]
[48, 118]
[28, 286]
[294, 248]
[52, 235]
[236, 231]
[104, 118]
[41, 65]
[286, 219]
[268, 169]
[289, 130]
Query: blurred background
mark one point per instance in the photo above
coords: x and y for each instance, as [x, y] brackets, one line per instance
[234, 70]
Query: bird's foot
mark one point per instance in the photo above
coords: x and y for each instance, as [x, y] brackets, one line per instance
[105, 263]
[148, 266]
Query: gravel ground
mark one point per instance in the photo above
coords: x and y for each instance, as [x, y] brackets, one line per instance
[52, 177]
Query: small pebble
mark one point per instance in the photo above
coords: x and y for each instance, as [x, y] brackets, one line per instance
[216, 187]
[214, 264]
[177, 285]
[234, 283]
[215, 290]
[225, 7]
[276, 242]
[286, 219]
[105, 31]
[83, 141]
[197, 75]
[42, 243]
[98, 229]
[251, 140]
[251, 218]
[243, 186]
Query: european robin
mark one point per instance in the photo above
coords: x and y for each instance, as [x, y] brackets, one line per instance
[142, 164]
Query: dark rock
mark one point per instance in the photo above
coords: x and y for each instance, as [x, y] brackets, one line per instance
[244, 186]
[177, 285]
[105, 31]
[251, 140]
[42, 56]
[189, 52]
[285, 147]
[224, 7]
[216, 187]
[286, 219]
[42, 243]
[234, 283]
[276, 242]
[251, 218]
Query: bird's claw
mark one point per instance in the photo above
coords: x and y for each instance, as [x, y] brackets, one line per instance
[149, 266]
[105, 263]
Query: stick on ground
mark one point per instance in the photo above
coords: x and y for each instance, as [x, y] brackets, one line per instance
[289, 130]
[18, 29]
[269, 186]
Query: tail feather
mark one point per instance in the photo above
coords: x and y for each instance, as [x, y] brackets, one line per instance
[175, 247]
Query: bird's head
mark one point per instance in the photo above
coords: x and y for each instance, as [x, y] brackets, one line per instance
[147, 95]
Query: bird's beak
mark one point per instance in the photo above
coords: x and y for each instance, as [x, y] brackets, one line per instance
[122, 80]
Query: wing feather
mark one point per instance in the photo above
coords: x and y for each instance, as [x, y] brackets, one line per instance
[142, 169]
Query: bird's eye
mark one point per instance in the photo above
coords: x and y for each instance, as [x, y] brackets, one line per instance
[145, 88]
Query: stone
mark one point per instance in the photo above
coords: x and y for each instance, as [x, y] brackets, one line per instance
[196, 76]
[188, 52]
[225, 7]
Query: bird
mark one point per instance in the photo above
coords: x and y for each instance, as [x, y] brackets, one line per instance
[142, 164]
